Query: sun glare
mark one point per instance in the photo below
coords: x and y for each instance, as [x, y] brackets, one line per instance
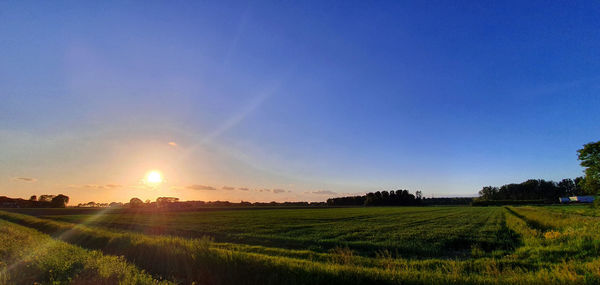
[154, 177]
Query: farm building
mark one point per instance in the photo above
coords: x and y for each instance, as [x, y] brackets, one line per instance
[577, 199]
[585, 199]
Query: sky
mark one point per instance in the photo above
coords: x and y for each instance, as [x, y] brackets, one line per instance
[293, 100]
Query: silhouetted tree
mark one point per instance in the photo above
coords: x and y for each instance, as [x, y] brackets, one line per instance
[46, 198]
[589, 156]
[533, 189]
[33, 198]
[489, 193]
[379, 198]
[579, 182]
[60, 201]
[165, 201]
[136, 203]
[385, 198]
[566, 187]
[347, 201]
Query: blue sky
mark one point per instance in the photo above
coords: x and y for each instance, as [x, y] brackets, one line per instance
[315, 98]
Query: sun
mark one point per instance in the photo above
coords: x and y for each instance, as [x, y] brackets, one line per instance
[154, 177]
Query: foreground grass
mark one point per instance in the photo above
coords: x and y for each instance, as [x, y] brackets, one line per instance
[517, 255]
[416, 232]
[28, 257]
[552, 235]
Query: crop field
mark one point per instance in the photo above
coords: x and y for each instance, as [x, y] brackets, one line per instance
[383, 245]
[406, 231]
[27, 256]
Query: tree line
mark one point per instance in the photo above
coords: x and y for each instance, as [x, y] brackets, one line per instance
[44, 201]
[175, 203]
[535, 189]
[396, 198]
[550, 191]
[379, 198]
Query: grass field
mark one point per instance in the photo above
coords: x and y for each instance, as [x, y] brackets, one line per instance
[419, 245]
[406, 231]
[27, 256]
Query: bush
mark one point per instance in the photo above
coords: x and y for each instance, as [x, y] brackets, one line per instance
[596, 203]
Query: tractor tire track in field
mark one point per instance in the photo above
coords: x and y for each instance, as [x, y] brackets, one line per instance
[488, 234]
[530, 223]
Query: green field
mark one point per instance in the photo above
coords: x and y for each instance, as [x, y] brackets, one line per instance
[386, 245]
[27, 256]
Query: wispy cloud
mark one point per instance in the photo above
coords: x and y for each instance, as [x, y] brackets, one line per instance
[200, 187]
[172, 144]
[321, 192]
[228, 188]
[243, 189]
[25, 179]
[97, 186]
[277, 191]
[94, 186]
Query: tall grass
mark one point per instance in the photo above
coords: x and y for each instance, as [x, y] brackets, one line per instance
[554, 236]
[28, 257]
